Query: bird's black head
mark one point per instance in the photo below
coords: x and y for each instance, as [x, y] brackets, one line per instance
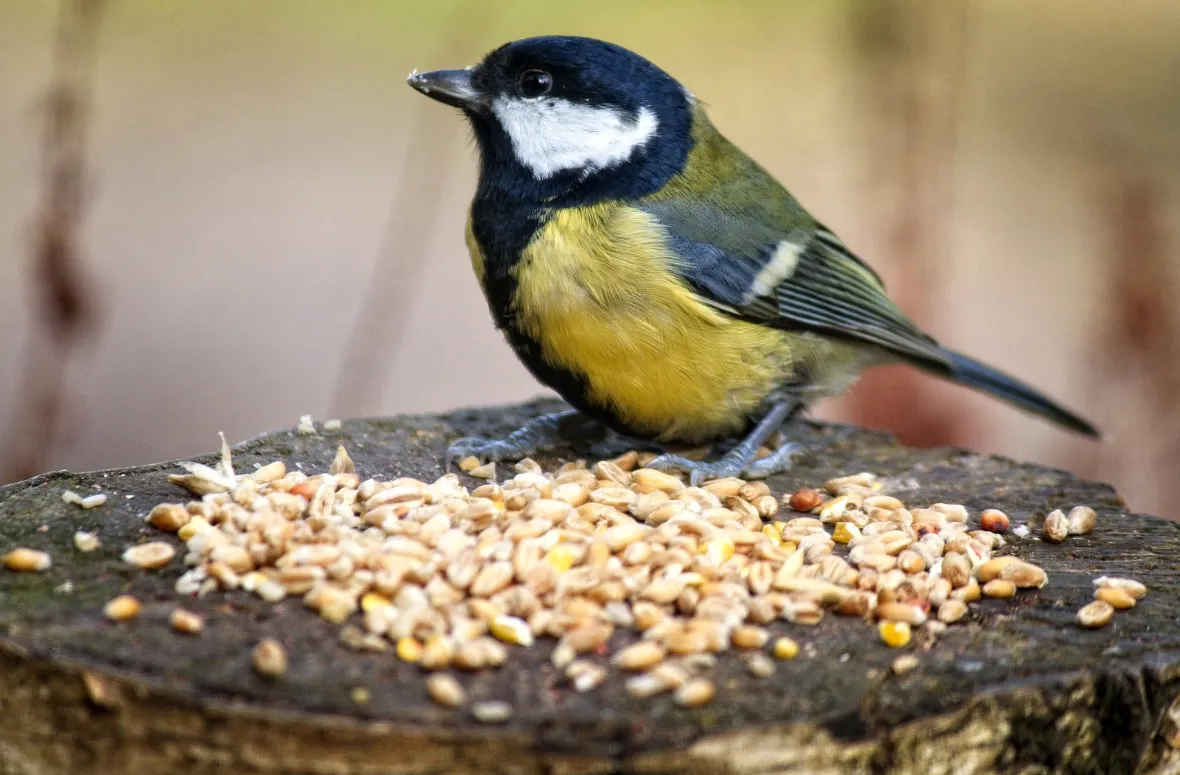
[569, 120]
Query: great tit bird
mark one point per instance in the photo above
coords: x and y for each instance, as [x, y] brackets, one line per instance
[654, 275]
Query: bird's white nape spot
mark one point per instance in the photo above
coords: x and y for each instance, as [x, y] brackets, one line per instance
[780, 266]
[555, 135]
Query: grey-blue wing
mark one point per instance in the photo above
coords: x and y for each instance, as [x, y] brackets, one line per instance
[797, 276]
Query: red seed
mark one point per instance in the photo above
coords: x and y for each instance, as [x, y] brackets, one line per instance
[805, 500]
[994, 520]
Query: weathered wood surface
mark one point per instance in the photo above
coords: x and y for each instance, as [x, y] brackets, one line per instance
[1018, 688]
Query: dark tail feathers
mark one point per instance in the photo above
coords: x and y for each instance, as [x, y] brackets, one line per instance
[974, 374]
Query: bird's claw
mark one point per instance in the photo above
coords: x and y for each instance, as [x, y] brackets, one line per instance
[729, 465]
[697, 470]
[776, 462]
[539, 433]
[490, 450]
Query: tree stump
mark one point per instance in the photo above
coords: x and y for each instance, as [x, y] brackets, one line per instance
[1019, 688]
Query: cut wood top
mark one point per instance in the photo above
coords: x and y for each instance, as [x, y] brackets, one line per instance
[1018, 685]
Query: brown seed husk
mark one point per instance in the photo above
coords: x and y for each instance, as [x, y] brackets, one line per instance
[445, 690]
[992, 568]
[640, 656]
[696, 692]
[1001, 588]
[1024, 574]
[1120, 599]
[1096, 614]
[491, 712]
[152, 555]
[1081, 520]
[269, 658]
[1056, 526]
[952, 611]
[186, 621]
[1134, 588]
[169, 517]
[122, 608]
[23, 560]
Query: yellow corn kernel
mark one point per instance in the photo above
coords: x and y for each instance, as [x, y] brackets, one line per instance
[835, 508]
[371, 601]
[192, 527]
[719, 550]
[895, 634]
[561, 557]
[785, 648]
[409, 650]
[843, 532]
[511, 629]
[251, 580]
[772, 534]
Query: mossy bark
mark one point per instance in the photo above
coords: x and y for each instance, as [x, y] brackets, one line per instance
[1016, 688]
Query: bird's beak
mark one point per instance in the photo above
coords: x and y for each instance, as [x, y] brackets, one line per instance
[450, 87]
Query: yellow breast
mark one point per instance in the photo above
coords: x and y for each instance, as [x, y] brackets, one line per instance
[594, 289]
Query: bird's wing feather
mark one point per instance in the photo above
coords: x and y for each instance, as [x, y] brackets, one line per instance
[790, 273]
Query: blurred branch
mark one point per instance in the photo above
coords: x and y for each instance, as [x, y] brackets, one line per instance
[64, 309]
[397, 274]
[914, 58]
[1142, 324]
[913, 54]
[1135, 332]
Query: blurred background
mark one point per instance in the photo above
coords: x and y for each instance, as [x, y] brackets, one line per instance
[222, 215]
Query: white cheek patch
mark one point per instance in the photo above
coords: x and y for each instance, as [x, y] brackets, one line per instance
[552, 135]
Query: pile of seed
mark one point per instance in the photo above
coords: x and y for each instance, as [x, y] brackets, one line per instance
[448, 578]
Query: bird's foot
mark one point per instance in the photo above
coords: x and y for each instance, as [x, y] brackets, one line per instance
[538, 434]
[698, 470]
[737, 462]
[781, 459]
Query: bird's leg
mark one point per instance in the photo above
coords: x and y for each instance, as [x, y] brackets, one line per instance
[739, 459]
[538, 434]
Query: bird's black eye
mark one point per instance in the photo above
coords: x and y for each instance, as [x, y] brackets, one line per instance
[534, 83]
